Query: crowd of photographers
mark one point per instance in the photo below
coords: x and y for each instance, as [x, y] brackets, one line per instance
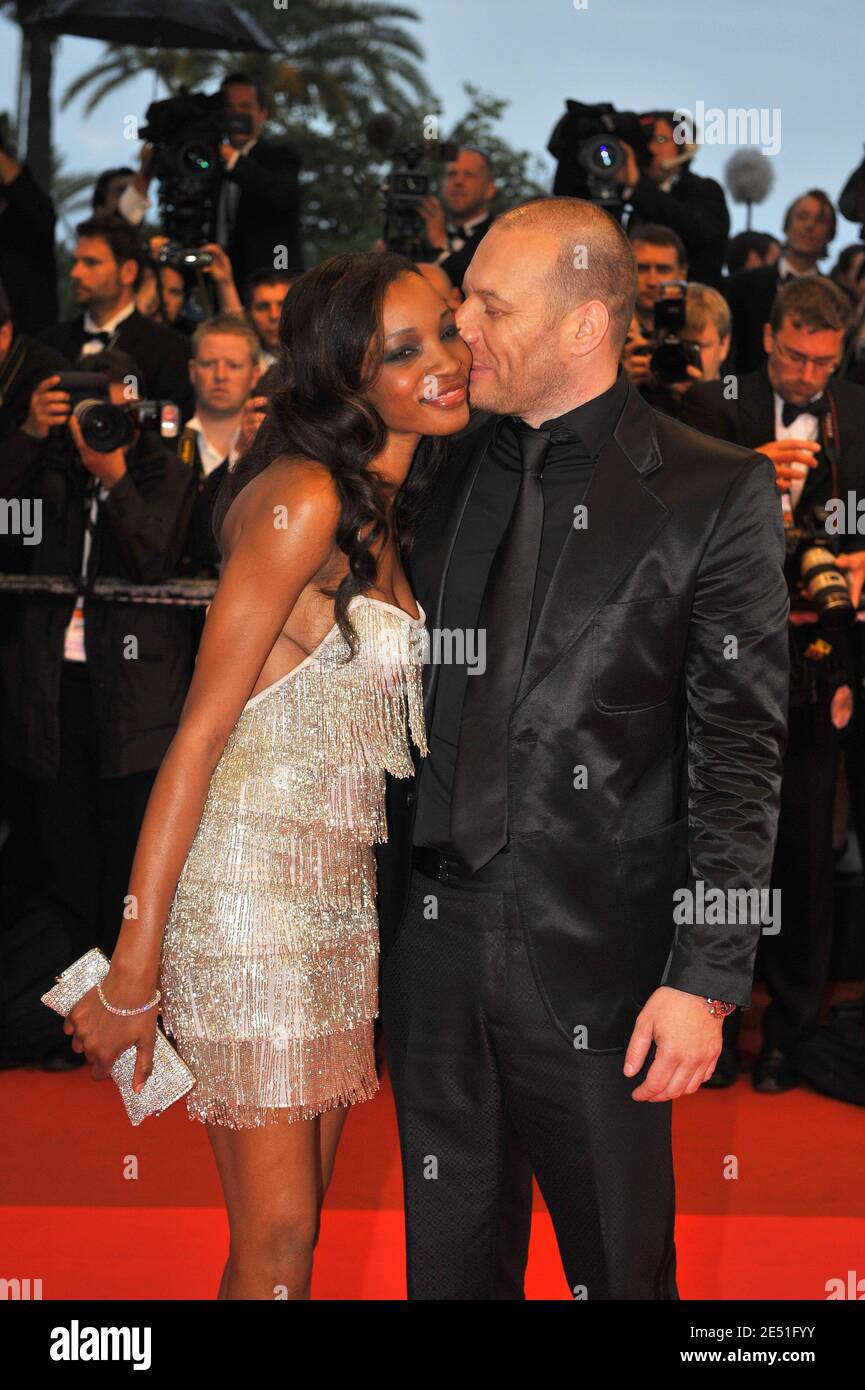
[120, 423]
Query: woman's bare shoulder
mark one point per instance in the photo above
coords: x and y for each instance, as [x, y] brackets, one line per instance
[290, 492]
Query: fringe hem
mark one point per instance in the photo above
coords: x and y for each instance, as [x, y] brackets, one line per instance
[230, 1116]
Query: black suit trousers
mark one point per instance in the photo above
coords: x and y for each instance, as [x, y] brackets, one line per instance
[80, 830]
[487, 1091]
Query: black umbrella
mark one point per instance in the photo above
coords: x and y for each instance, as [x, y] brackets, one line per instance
[206, 24]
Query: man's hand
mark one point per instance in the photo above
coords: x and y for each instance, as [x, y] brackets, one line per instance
[220, 267]
[680, 388]
[636, 357]
[792, 459]
[250, 419]
[433, 215]
[688, 1043]
[48, 407]
[141, 180]
[629, 172]
[842, 707]
[108, 468]
[854, 561]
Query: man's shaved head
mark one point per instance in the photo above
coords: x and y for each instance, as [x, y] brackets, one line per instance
[549, 297]
[595, 260]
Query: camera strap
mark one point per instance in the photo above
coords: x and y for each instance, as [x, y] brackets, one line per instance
[830, 441]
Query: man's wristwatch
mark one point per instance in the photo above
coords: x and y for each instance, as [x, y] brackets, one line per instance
[718, 1009]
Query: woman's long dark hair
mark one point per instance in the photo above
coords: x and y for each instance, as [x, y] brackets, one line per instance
[332, 341]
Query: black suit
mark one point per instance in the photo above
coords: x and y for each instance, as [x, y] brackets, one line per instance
[268, 211]
[27, 364]
[160, 352]
[794, 962]
[696, 208]
[28, 268]
[750, 295]
[684, 545]
[457, 263]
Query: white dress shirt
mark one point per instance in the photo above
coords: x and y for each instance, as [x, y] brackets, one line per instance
[110, 327]
[803, 427]
[209, 455]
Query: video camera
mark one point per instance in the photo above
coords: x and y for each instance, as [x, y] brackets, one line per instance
[186, 132]
[106, 426]
[586, 144]
[406, 186]
[671, 356]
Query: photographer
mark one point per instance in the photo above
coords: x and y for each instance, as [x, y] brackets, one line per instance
[456, 225]
[809, 227]
[263, 296]
[109, 189]
[660, 257]
[750, 250]
[105, 274]
[92, 688]
[258, 204]
[667, 192]
[224, 369]
[27, 265]
[811, 427]
[24, 362]
[705, 335]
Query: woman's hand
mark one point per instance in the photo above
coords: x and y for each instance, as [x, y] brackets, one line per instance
[102, 1036]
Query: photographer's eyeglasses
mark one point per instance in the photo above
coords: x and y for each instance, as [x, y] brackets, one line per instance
[801, 359]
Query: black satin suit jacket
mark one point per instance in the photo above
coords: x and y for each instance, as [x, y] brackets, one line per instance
[631, 674]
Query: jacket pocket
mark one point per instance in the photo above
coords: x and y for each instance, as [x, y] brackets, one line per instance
[652, 867]
[634, 654]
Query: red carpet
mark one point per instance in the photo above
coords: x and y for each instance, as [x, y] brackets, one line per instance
[97, 1209]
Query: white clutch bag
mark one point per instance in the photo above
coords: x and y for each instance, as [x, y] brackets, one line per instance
[170, 1078]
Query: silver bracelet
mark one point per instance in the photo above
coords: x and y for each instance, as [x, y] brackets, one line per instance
[126, 1013]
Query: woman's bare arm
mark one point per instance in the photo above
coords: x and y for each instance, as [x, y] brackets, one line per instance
[268, 569]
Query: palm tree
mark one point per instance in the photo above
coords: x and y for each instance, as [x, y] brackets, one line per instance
[37, 67]
[337, 56]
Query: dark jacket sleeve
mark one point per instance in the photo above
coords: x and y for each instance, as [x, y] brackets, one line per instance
[699, 218]
[702, 409]
[148, 512]
[737, 681]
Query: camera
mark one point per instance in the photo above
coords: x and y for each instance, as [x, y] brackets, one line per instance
[106, 426]
[407, 185]
[810, 560]
[186, 132]
[182, 257]
[672, 356]
[586, 144]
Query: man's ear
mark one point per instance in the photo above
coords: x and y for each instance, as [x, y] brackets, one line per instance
[768, 338]
[725, 346]
[586, 327]
[5, 338]
[129, 273]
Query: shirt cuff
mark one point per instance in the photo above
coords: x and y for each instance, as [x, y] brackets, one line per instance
[133, 205]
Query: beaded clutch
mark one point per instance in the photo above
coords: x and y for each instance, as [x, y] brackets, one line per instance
[170, 1078]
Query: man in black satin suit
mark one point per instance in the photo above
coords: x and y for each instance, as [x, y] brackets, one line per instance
[616, 736]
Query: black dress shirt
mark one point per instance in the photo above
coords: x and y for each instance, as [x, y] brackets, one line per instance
[577, 439]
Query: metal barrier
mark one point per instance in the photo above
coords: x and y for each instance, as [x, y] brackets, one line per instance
[185, 592]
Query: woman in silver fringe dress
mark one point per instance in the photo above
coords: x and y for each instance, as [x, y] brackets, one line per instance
[253, 883]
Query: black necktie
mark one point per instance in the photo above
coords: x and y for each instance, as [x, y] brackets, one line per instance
[789, 412]
[103, 338]
[480, 794]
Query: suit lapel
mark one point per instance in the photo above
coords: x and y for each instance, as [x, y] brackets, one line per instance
[437, 530]
[622, 519]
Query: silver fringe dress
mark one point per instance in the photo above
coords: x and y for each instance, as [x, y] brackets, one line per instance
[269, 972]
